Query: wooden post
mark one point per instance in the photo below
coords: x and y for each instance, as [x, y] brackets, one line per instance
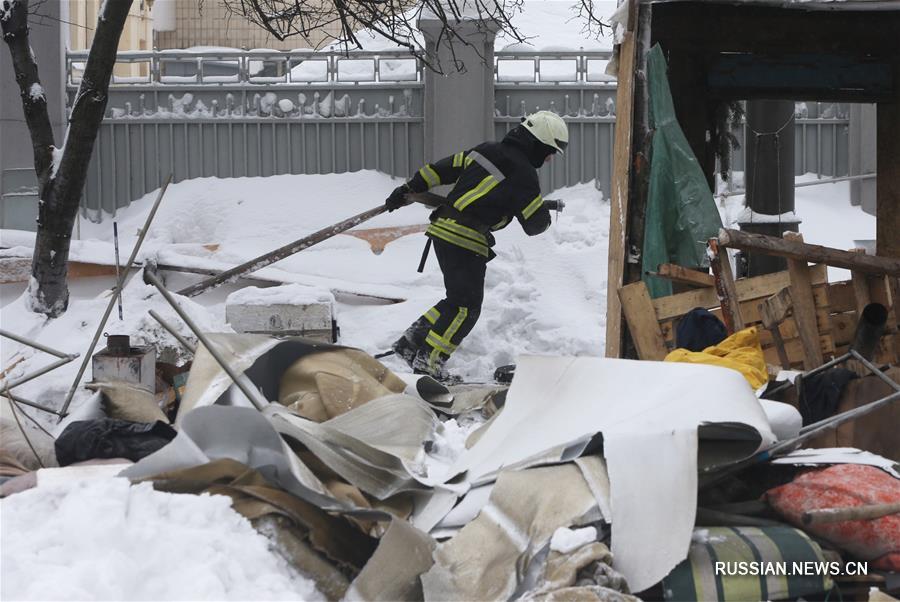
[804, 307]
[621, 178]
[724, 278]
[772, 312]
[794, 249]
[860, 286]
[642, 323]
[887, 189]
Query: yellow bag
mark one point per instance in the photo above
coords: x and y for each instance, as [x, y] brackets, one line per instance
[741, 351]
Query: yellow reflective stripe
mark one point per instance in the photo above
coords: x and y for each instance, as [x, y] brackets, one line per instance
[430, 176]
[457, 322]
[476, 193]
[468, 161]
[433, 359]
[439, 344]
[459, 241]
[500, 224]
[532, 207]
[458, 159]
[432, 315]
[456, 228]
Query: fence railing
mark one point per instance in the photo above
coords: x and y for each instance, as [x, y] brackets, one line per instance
[230, 113]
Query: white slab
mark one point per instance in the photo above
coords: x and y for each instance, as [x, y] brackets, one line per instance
[838, 455]
[648, 413]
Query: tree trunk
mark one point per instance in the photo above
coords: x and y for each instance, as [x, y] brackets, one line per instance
[60, 173]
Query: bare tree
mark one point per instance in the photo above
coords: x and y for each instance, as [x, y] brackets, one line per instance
[61, 171]
[393, 20]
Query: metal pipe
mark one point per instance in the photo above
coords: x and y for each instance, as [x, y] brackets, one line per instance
[34, 344]
[171, 330]
[867, 176]
[869, 329]
[874, 370]
[27, 402]
[213, 351]
[112, 300]
[41, 371]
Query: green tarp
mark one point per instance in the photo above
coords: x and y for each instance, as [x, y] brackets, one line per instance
[681, 212]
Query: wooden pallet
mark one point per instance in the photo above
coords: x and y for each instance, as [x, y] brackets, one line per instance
[835, 307]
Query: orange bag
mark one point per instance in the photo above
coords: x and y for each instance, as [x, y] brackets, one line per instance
[844, 486]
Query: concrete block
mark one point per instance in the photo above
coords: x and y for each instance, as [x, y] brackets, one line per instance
[292, 310]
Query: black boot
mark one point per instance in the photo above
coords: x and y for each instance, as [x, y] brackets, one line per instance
[405, 349]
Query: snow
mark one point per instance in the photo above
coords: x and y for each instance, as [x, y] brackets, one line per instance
[103, 539]
[36, 92]
[567, 540]
[543, 295]
[57, 155]
[827, 216]
[287, 294]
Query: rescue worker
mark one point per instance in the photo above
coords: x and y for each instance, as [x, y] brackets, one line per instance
[492, 184]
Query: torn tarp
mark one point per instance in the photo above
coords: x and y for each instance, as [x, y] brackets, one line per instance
[651, 415]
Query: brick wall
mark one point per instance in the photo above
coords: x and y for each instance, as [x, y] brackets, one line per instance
[210, 24]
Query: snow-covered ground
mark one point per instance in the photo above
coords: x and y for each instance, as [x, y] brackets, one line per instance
[103, 539]
[544, 295]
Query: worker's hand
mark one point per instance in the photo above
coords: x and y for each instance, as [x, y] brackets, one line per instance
[397, 198]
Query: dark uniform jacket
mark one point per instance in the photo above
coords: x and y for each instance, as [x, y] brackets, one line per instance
[492, 183]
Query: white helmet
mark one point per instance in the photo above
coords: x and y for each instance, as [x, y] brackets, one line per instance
[549, 128]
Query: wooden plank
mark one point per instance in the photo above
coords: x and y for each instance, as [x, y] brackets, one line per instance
[642, 323]
[795, 249]
[860, 282]
[621, 177]
[747, 289]
[804, 305]
[725, 288]
[683, 275]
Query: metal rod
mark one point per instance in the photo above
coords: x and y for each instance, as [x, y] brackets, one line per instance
[119, 282]
[874, 370]
[213, 351]
[171, 330]
[116, 247]
[27, 402]
[30, 343]
[867, 176]
[41, 371]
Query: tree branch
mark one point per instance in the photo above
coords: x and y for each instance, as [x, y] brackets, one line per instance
[14, 24]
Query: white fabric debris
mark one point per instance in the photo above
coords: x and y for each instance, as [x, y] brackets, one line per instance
[567, 540]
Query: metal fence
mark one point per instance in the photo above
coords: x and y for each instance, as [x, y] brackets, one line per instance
[253, 113]
[261, 113]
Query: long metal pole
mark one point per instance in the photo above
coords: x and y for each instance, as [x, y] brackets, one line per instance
[280, 253]
[213, 351]
[30, 343]
[171, 329]
[26, 402]
[41, 371]
[112, 300]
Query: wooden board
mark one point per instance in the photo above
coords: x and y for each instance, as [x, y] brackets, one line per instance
[621, 178]
[804, 306]
[638, 310]
[747, 289]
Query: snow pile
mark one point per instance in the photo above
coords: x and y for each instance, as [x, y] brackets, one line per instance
[102, 539]
[72, 333]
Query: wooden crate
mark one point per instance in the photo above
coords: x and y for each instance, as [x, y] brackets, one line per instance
[653, 322]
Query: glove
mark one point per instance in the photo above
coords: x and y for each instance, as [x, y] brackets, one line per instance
[397, 198]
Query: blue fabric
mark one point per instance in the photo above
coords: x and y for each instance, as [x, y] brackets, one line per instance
[699, 329]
